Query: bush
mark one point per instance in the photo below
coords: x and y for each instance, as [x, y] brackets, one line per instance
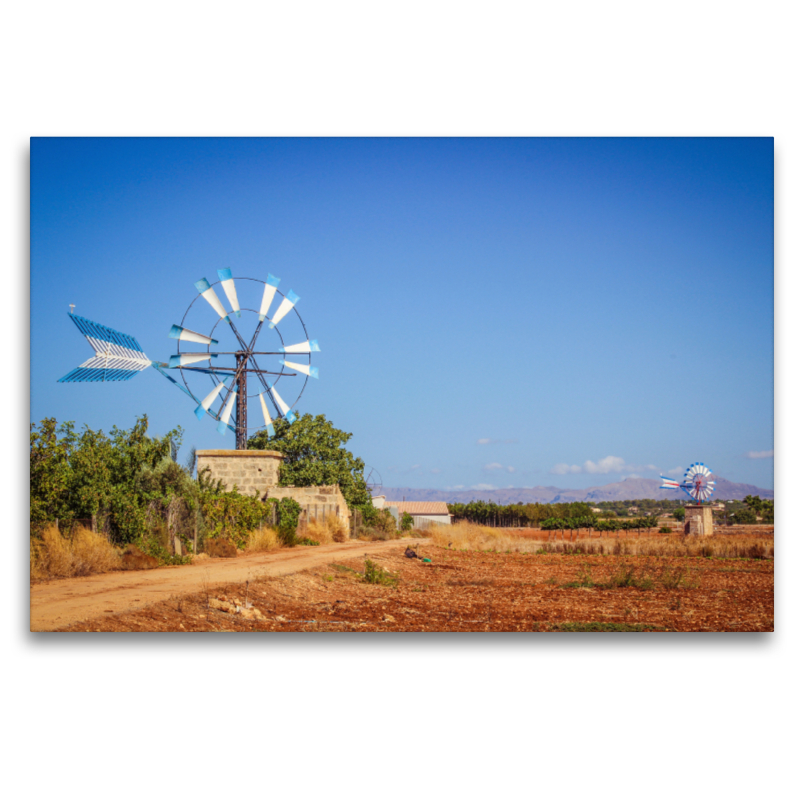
[406, 522]
[233, 516]
[374, 573]
[85, 553]
[288, 516]
[744, 516]
[331, 529]
[260, 539]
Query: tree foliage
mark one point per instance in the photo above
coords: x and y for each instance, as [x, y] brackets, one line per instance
[314, 454]
[761, 508]
[515, 514]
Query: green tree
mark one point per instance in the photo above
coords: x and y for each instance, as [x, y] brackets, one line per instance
[406, 522]
[679, 514]
[744, 516]
[314, 454]
[50, 469]
[761, 508]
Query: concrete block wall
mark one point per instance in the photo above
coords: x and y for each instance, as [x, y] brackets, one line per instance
[248, 469]
[259, 470]
[314, 498]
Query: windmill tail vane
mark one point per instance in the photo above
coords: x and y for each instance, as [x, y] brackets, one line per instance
[695, 482]
[119, 356]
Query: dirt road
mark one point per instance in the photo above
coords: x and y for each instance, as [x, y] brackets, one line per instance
[64, 602]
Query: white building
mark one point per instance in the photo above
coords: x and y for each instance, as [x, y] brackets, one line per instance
[423, 511]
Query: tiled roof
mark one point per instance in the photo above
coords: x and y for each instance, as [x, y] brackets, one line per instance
[419, 506]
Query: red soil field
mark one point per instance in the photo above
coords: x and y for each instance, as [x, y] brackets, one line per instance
[479, 591]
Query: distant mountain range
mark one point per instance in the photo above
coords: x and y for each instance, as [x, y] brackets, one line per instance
[628, 489]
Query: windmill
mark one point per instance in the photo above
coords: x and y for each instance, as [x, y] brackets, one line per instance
[231, 357]
[695, 483]
[373, 480]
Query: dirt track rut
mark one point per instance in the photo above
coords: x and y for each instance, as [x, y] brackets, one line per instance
[64, 602]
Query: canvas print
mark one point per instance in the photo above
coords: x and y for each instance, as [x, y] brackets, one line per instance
[402, 384]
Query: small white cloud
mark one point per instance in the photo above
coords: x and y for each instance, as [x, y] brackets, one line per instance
[414, 466]
[484, 441]
[564, 469]
[604, 466]
[511, 469]
[492, 466]
[435, 471]
[677, 471]
[483, 486]
[454, 488]
[760, 454]
[498, 441]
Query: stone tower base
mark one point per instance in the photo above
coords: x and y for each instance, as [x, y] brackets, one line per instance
[699, 520]
[248, 470]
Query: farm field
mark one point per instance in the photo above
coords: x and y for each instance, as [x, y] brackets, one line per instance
[468, 590]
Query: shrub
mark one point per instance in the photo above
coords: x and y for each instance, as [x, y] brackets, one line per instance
[583, 579]
[676, 578]
[55, 556]
[406, 522]
[232, 516]
[134, 558]
[221, 548]
[260, 539]
[288, 516]
[626, 576]
[374, 573]
[332, 529]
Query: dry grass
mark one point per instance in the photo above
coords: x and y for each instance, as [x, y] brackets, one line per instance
[332, 529]
[743, 546]
[265, 538]
[85, 553]
[467, 536]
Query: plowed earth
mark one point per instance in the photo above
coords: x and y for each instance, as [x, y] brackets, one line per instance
[477, 591]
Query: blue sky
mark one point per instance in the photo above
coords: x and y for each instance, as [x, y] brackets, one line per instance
[491, 312]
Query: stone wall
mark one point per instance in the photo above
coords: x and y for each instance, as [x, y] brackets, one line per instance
[247, 469]
[259, 470]
[316, 500]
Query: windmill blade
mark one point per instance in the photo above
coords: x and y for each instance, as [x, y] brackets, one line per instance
[226, 278]
[267, 417]
[225, 416]
[269, 292]
[185, 335]
[288, 414]
[303, 347]
[189, 358]
[668, 483]
[208, 294]
[206, 404]
[313, 372]
[287, 304]
[118, 356]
